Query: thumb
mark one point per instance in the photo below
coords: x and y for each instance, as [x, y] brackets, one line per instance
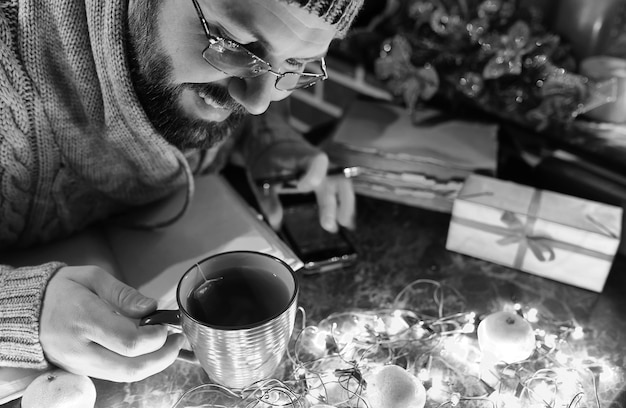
[125, 299]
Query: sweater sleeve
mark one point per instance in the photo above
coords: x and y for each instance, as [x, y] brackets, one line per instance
[21, 297]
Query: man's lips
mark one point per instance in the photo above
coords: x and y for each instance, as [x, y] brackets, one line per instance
[209, 109]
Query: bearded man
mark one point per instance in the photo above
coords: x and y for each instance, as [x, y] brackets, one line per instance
[109, 105]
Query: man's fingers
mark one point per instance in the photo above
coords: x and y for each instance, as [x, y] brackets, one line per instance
[336, 202]
[122, 297]
[111, 313]
[122, 335]
[315, 173]
[346, 209]
[87, 333]
[107, 365]
[327, 204]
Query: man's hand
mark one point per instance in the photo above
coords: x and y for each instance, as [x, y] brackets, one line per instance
[89, 325]
[335, 194]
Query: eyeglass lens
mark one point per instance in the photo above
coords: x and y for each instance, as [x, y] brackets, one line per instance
[232, 59]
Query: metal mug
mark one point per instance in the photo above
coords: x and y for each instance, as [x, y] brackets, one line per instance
[235, 353]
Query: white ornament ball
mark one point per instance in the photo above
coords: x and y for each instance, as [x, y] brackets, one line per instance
[393, 387]
[507, 336]
[60, 389]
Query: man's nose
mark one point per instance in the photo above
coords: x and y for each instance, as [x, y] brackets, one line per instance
[255, 94]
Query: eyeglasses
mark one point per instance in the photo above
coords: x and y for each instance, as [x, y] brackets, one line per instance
[234, 59]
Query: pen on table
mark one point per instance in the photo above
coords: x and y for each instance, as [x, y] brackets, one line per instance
[289, 180]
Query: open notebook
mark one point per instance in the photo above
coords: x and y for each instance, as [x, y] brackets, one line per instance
[217, 220]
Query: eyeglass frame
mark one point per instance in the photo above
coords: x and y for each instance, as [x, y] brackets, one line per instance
[214, 39]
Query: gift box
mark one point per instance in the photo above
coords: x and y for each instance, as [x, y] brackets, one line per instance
[556, 236]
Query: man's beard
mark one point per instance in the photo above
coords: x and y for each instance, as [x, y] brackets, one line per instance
[151, 74]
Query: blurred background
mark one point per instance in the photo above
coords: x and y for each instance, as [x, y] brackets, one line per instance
[551, 76]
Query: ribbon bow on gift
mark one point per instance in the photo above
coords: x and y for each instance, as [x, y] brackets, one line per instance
[520, 233]
[515, 231]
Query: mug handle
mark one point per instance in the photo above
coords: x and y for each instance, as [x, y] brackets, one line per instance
[170, 318]
[161, 316]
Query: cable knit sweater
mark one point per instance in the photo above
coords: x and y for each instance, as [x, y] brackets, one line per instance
[75, 144]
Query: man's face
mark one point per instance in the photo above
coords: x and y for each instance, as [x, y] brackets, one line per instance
[193, 104]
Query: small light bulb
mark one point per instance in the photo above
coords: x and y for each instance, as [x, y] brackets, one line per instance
[578, 333]
[532, 315]
[607, 375]
[550, 340]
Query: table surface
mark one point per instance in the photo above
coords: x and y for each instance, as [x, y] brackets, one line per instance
[399, 244]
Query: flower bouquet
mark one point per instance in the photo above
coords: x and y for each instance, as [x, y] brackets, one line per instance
[492, 55]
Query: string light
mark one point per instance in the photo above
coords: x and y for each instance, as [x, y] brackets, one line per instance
[532, 315]
[331, 362]
[577, 333]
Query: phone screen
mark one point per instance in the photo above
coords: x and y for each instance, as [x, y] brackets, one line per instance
[315, 246]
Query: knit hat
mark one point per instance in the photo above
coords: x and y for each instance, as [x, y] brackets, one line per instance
[340, 13]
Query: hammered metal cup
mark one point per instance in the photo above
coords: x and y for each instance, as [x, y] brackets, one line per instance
[239, 355]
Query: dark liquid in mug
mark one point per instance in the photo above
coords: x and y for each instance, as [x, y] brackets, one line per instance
[241, 297]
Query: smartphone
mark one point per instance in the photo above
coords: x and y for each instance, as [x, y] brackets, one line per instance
[319, 250]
